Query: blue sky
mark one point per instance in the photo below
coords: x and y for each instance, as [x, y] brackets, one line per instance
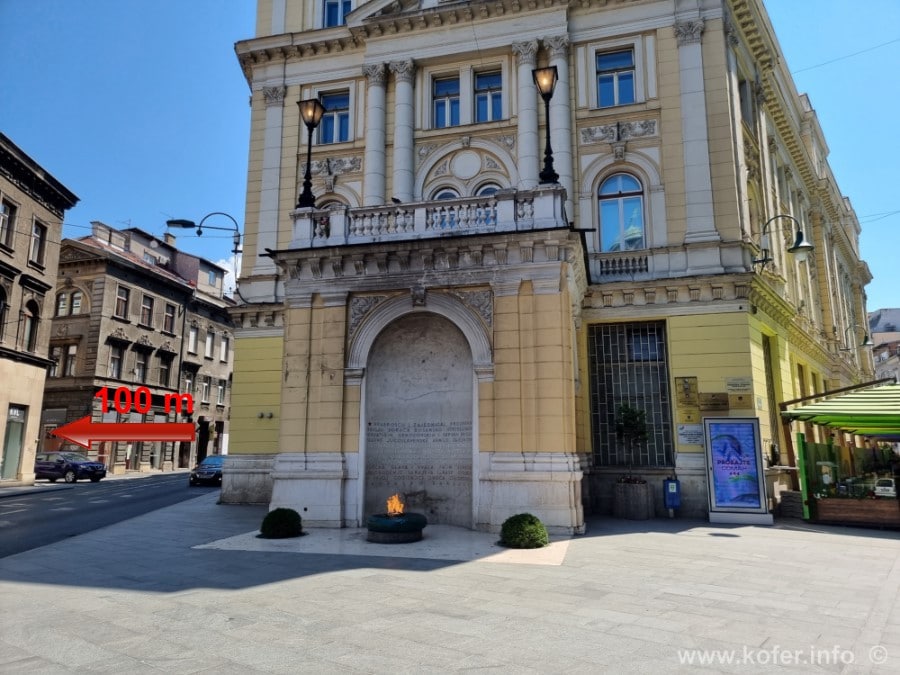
[141, 109]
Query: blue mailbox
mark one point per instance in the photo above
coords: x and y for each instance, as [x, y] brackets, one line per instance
[672, 493]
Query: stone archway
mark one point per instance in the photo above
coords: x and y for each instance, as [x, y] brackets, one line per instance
[418, 419]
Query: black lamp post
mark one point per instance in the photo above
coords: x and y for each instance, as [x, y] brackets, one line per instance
[800, 249]
[311, 111]
[545, 80]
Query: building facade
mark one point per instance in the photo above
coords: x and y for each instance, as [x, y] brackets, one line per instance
[451, 322]
[133, 313]
[32, 206]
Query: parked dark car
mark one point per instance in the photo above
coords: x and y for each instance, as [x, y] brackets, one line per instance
[208, 471]
[70, 466]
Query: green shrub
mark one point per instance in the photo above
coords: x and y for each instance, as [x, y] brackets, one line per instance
[281, 524]
[523, 531]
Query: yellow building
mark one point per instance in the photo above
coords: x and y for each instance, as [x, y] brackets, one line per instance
[456, 320]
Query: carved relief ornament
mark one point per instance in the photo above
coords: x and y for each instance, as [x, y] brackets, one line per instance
[525, 52]
[273, 95]
[688, 32]
[375, 73]
[404, 71]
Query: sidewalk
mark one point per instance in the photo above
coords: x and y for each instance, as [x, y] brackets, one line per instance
[190, 589]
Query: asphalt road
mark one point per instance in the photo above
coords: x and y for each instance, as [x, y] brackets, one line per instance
[44, 517]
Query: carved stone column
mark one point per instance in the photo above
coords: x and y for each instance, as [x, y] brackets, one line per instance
[528, 142]
[561, 118]
[404, 106]
[374, 172]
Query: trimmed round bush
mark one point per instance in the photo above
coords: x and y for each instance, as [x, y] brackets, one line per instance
[523, 531]
[281, 524]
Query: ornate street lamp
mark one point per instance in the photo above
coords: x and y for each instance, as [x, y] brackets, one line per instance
[545, 80]
[311, 111]
[190, 224]
[800, 249]
[866, 341]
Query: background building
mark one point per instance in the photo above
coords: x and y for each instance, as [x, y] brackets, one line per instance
[132, 311]
[451, 323]
[32, 204]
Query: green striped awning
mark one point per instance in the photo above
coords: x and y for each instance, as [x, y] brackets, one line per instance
[867, 412]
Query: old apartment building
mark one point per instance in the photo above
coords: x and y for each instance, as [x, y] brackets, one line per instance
[132, 311]
[32, 207]
[434, 308]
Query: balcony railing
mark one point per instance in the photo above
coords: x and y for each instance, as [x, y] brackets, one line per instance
[506, 211]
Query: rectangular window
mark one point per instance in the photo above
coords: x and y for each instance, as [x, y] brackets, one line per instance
[38, 243]
[488, 97]
[615, 78]
[55, 357]
[213, 278]
[147, 311]
[223, 348]
[7, 222]
[140, 367]
[336, 12]
[188, 383]
[165, 370]
[122, 295]
[169, 319]
[445, 94]
[335, 124]
[208, 351]
[76, 303]
[204, 388]
[71, 356]
[62, 304]
[150, 258]
[115, 362]
[192, 340]
[629, 366]
[220, 393]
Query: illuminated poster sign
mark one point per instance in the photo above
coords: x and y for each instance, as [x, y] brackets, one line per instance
[734, 460]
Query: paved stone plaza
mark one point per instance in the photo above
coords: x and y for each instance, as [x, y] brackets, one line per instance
[189, 589]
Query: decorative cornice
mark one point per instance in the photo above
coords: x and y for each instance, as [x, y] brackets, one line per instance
[404, 71]
[689, 32]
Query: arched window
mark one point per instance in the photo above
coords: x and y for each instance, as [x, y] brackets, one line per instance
[621, 200]
[30, 319]
[487, 190]
[446, 193]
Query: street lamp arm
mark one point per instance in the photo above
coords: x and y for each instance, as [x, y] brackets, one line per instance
[800, 248]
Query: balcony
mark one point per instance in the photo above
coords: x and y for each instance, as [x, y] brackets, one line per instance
[505, 211]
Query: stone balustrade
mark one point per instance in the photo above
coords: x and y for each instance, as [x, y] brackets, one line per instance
[505, 211]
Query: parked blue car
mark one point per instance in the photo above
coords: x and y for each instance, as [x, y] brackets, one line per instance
[70, 466]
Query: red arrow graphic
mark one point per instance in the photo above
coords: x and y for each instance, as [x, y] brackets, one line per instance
[83, 432]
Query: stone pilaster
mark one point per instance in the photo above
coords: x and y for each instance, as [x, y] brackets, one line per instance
[528, 142]
[374, 176]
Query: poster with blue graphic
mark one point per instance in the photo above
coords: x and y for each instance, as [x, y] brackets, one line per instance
[735, 464]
